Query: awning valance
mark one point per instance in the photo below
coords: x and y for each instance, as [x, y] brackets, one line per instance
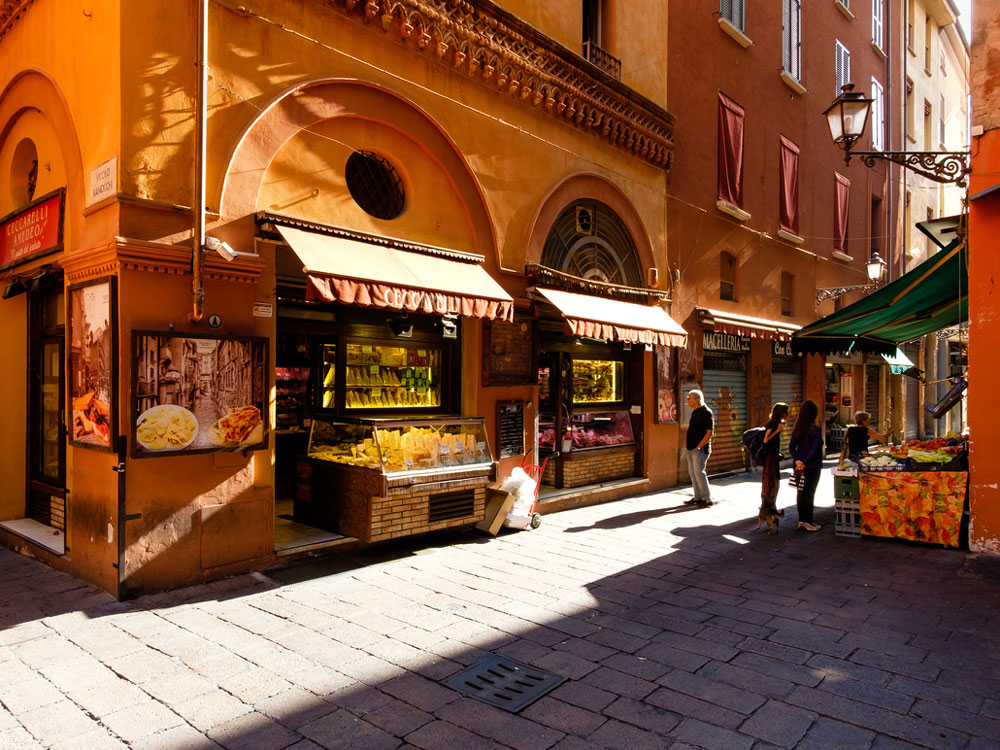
[603, 318]
[744, 325]
[932, 296]
[898, 362]
[353, 272]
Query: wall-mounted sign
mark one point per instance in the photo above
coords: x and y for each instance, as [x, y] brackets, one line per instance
[198, 394]
[92, 364]
[103, 181]
[783, 349]
[263, 309]
[725, 342]
[215, 321]
[509, 353]
[34, 230]
[510, 428]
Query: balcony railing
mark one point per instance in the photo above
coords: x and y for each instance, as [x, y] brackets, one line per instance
[610, 65]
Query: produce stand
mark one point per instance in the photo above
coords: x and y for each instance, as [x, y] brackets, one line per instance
[915, 492]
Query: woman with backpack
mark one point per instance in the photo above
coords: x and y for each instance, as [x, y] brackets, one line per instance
[806, 447]
[771, 449]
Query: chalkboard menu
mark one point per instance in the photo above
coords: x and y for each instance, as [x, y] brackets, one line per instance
[510, 428]
[509, 353]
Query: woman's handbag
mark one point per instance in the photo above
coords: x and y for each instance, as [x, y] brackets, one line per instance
[798, 480]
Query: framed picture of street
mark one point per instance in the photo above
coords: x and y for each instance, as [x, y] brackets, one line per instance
[92, 356]
[197, 394]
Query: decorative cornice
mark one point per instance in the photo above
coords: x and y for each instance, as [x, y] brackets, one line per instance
[10, 13]
[486, 43]
[121, 254]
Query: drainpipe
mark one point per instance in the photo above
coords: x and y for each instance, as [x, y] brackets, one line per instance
[201, 125]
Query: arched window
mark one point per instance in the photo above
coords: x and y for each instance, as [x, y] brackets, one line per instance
[589, 241]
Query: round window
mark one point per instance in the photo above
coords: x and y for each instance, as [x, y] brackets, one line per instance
[375, 185]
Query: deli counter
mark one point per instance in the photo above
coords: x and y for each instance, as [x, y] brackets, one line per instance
[375, 479]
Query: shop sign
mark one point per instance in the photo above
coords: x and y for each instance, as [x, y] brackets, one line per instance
[783, 349]
[725, 342]
[32, 231]
[263, 309]
[103, 181]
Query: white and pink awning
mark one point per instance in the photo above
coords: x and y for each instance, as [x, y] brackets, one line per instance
[353, 272]
[614, 320]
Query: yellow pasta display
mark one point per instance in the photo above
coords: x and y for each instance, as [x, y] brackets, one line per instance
[166, 427]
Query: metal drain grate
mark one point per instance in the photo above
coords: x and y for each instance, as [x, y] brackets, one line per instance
[504, 683]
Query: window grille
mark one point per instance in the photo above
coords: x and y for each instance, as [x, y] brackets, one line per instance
[375, 185]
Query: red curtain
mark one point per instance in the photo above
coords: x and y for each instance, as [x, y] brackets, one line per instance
[730, 151]
[789, 168]
[841, 201]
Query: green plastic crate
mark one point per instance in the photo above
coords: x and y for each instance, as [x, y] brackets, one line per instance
[846, 488]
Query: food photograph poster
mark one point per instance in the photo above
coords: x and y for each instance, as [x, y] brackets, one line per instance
[198, 394]
[91, 364]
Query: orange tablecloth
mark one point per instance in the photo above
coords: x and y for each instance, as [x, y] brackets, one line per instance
[923, 506]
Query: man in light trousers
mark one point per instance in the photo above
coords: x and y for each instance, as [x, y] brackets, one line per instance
[699, 448]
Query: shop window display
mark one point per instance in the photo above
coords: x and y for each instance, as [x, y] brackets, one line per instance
[392, 377]
[601, 429]
[401, 446]
[597, 381]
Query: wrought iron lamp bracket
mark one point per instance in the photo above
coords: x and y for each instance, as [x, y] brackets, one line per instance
[834, 292]
[946, 167]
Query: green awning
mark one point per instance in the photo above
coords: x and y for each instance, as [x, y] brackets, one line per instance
[932, 296]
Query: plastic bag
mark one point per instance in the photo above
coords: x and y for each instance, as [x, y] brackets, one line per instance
[522, 487]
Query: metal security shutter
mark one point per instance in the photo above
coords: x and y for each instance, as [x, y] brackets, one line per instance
[911, 388]
[726, 393]
[786, 386]
[871, 393]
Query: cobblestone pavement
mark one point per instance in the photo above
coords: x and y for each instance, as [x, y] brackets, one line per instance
[676, 628]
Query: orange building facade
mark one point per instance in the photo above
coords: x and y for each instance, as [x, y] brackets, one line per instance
[158, 424]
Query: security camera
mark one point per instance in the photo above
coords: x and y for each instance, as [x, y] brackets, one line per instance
[223, 248]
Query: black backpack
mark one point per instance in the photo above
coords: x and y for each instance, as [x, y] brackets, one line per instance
[753, 441]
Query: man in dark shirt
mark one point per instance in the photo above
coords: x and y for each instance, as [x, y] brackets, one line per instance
[699, 447]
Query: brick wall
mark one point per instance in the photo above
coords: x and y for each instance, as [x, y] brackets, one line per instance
[403, 515]
[592, 467]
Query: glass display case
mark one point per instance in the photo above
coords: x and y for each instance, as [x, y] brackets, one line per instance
[392, 377]
[601, 429]
[598, 381]
[395, 446]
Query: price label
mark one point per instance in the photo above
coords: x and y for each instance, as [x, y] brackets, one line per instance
[366, 349]
[480, 446]
[409, 462]
[445, 450]
[421, 352]
[373, 369]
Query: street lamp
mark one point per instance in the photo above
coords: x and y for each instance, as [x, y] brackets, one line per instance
[875, 268]
[847, 117]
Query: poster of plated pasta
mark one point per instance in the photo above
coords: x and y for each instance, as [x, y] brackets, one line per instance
[91, 355]
[198, 394]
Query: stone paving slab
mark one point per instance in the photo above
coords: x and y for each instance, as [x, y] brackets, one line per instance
[676, 628]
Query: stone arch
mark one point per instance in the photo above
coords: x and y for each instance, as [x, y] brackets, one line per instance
[305, 105]
[586, 185]
[35, 91]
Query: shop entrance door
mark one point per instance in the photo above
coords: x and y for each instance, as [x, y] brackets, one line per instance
[46, 491]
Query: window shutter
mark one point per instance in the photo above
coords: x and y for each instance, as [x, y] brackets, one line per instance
[841, 202]
[843, 65]
[732, 11]
[877, 23]
[877, 115]
[791, 37]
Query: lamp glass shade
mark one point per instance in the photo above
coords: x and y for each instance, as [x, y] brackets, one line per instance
[848, 115]
[875, 265]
